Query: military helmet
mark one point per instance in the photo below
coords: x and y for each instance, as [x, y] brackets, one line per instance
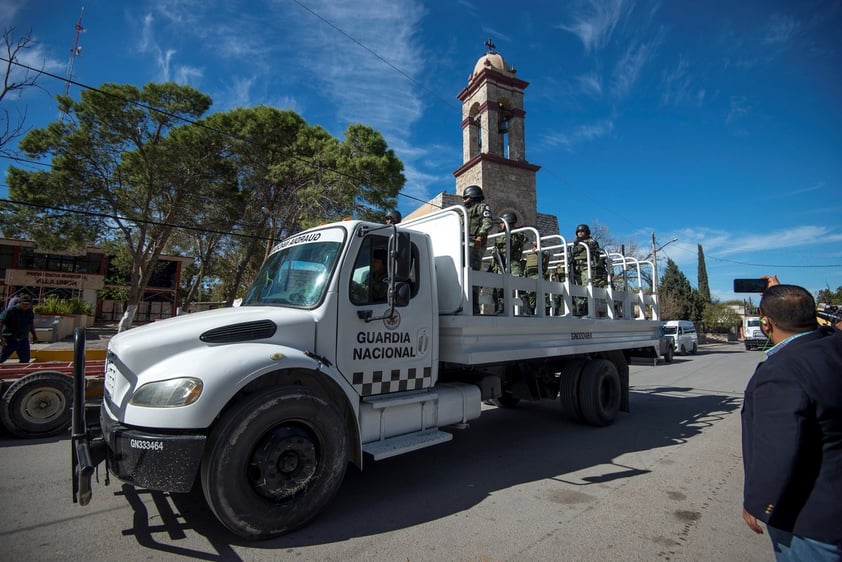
[585, 228]
[394, 217]
[473, 192]
[509, 218]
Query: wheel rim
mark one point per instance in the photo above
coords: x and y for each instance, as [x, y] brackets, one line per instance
[284, 462]
[42, 405]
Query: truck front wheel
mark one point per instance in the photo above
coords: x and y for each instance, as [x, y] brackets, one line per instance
[274, 461]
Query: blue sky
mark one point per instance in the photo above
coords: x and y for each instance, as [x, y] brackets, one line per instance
[716, 123]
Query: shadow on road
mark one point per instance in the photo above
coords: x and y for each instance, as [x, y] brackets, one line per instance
[504, 448]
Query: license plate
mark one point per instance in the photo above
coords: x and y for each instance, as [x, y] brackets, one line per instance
[110, 379]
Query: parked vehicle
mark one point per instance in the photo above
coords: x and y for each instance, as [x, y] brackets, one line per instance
[35, 398]
[664, 350]
[266, 403]
[754, 338]
[683, 334]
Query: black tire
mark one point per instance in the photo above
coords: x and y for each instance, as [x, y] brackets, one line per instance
[668, 355]
[38, 405]
[599, 392]
[682, 351]
[274, 461]
[695, 349]
[568, 389]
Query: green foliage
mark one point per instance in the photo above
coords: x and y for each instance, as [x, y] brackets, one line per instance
[138, 170]
[704, 287]
[51, 304]
[830, 297]
[678, 300]
[720, 318]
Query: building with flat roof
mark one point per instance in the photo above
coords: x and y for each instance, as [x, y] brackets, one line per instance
[87, 275]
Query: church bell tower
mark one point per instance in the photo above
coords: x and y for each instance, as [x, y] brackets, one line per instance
[493, 139]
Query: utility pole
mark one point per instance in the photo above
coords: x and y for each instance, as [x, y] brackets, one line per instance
[655, 250]
[75, 51]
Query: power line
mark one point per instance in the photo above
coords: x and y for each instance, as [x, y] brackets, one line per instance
[138, 221]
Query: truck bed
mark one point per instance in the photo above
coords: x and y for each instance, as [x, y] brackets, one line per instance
[479, 340]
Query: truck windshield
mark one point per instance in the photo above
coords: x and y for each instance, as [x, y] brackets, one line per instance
[753, 323]
[670, 330]
[298, 271]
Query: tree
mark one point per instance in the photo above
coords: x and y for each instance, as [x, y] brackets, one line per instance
[679, 301]
[16, 78]
[720, 318]
[291, 176]
[139, 165]
[830, 297]
[704, 288]
[115, 173]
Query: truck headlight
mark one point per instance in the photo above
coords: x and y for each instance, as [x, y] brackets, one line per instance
[168, 394]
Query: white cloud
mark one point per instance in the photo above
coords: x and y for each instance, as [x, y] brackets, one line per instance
[581, 134]
[679, 88]
[628, 68]
[590, 84]
[9, 9]
[729, 243]
[595, 22]
[779, 30]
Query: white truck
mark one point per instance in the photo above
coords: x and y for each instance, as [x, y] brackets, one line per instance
[266, 403]
[752, 334]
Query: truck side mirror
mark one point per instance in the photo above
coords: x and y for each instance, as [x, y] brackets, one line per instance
[400, 296]
[400, 246]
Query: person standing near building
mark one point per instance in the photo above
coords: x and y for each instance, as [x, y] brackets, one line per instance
[792, 431]
[479, 225]
[16, 323]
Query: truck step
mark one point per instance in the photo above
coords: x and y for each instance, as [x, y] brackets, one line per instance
[405, 443]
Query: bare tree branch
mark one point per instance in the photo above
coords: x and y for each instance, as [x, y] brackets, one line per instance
[16, 78]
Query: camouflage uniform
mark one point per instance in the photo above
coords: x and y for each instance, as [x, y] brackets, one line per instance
[579, 256]
[479, 217]
[531, 271]
[518, 239]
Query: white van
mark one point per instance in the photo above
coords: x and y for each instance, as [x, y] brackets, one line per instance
[683, 334]
[752, 333]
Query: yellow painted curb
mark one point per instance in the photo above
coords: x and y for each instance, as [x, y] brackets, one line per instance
[65, 354]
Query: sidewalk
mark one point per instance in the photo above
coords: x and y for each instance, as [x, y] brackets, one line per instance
[96, 342]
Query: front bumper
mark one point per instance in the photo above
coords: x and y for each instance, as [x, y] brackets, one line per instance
[158, 461]
[752, 343]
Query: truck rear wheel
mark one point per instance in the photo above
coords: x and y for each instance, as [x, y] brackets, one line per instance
[38, 405]
[599, 392]
[668, 355]
[274, 461]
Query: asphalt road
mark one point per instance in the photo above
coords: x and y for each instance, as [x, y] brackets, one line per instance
[663, 483]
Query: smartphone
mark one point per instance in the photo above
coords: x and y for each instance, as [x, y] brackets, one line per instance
[750, 285]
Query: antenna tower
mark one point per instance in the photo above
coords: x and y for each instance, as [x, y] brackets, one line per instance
[75, 50]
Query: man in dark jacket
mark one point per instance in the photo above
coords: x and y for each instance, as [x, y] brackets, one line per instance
[792, 431]
[16, 323]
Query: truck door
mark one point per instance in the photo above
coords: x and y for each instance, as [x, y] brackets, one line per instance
[376, 354]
